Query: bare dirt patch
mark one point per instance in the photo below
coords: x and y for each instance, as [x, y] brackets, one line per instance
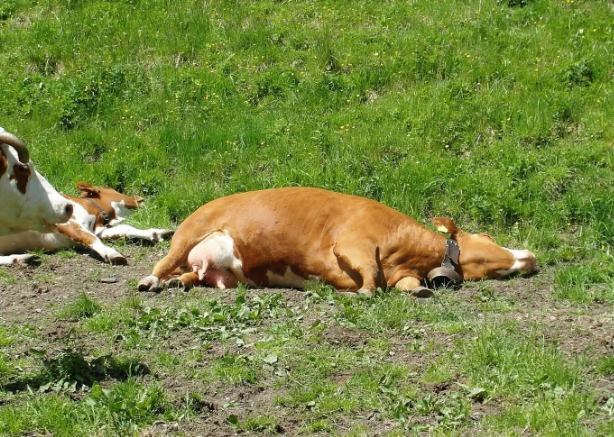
[34, 296]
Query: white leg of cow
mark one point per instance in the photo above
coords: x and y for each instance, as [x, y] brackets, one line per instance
[17, 259]
[108, 253]
[128, 231]
[84, 237]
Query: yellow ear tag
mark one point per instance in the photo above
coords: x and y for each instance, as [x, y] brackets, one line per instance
[442, 228]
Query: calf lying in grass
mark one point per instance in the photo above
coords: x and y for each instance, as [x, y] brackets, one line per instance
[96, 216]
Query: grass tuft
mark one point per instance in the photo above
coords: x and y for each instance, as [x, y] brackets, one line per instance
[83, 307]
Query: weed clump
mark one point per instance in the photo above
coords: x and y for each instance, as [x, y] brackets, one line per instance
[82, 308]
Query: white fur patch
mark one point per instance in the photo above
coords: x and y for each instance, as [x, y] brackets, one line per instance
[289, 279]
[83, 217]
[40, 207]
[121, 211]
[218, 251]
[15, 259]
[32, 240]
[521, 258]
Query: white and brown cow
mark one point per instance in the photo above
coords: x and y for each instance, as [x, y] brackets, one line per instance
[27, 200]
[282, 237]
[97, 216]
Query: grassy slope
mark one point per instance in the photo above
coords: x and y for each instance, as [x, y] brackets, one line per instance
[497, 115]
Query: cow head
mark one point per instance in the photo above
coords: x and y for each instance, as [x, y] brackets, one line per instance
[117, 204]
[481, 257]
[28, 201]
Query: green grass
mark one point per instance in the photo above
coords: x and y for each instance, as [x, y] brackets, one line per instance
[122, 410]
[321, 372]
[496, 113]
[83, 307]
[6, 277]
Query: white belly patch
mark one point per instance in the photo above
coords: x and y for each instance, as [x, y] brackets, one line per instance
[217, 251]
[289, 279]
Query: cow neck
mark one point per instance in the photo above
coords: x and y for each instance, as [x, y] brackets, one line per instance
[90, 205]
[427, 249]
[451, 257]
[105, 217]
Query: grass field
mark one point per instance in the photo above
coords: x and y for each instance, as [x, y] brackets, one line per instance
[496, 113]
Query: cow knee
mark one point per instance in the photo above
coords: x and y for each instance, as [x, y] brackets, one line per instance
[407, 283]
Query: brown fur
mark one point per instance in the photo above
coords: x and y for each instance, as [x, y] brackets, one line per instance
[103, 197]
[350, 242]
[75, 231]
[4, 165]
[22, 174]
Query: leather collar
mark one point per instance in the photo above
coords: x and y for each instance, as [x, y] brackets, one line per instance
[452, 255]
[105, 217]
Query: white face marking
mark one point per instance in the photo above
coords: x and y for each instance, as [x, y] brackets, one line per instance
[522, 259]
[289, 279]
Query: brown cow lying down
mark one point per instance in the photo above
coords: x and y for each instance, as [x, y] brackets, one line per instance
[95, 217]
[282, 237]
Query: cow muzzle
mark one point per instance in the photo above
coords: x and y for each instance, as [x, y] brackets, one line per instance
[62, 212]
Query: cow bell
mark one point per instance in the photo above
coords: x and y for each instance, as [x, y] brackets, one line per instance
[422, 293]
[444, 277]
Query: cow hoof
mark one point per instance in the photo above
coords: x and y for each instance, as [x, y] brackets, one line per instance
[176, 283]
[118, 260]
[150, 283]
[422, 293]
[348, 294]
[164, 234]
[27, 259]
[365, 293]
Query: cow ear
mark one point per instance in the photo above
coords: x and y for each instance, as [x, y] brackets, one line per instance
[487, 236]
[446, 225]
[87, 188]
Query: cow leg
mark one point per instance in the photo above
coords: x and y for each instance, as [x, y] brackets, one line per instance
[23, 259]
[177, 255]
[213, 277]
[364, 269]
[185, 281]
[128, 231]
[412, 285]
[407, 283]
[82, 236]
